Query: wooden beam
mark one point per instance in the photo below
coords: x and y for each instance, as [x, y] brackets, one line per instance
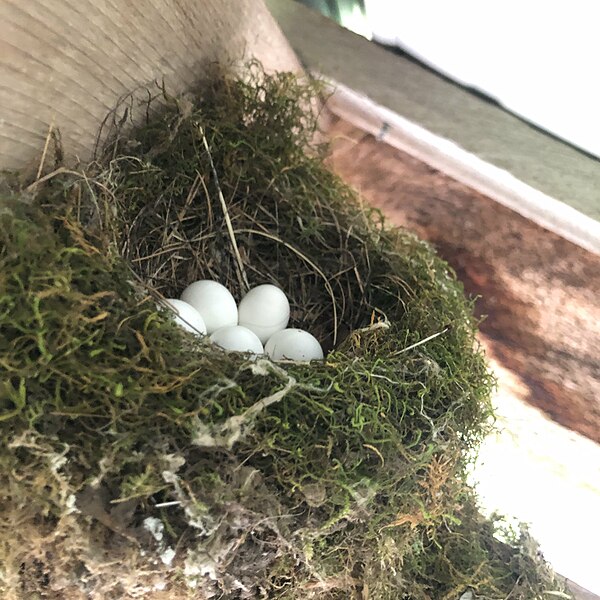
[446, 156]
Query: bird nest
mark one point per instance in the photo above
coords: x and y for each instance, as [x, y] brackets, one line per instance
[138, 460]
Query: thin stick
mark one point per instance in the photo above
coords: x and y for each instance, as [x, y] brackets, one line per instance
[165, 504]
[45, 151]
[191, 195]
[241, 272]
[58, 171]
[427, 339]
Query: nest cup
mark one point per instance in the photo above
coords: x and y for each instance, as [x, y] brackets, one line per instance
[205, 472]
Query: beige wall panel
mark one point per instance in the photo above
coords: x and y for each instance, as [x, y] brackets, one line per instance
[68, 62]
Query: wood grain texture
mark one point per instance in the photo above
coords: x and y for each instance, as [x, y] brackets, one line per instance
[68, 62]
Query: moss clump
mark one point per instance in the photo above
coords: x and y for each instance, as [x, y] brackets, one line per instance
[139, 461]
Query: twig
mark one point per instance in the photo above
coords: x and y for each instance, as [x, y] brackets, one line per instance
[190, 197]
[166, 504]
[241, 273]
[45, 151]
[54, 173]
[427, 339]
[374, 449]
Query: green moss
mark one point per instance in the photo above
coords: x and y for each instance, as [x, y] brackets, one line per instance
[327, 480]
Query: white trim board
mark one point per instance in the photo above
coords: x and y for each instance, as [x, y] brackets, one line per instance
[447, 157]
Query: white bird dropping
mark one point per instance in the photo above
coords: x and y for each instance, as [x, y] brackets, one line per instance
[264, 310]
[293, 344]
[214, 302]
[237, 339]
[187, 316]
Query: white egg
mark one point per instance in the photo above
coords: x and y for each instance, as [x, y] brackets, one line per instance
[214, 302]
[237, 339]
[293, 344]
[264, 310]
[187, 316]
